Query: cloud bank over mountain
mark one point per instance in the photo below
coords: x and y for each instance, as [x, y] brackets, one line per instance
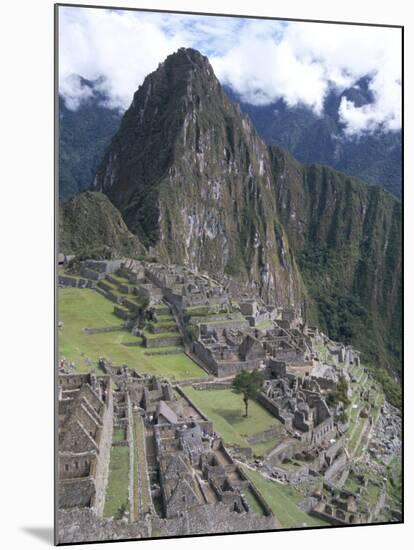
[262, 60]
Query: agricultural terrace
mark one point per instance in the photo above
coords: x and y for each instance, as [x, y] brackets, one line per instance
[284, 501]
[80, 308]
[117, 489]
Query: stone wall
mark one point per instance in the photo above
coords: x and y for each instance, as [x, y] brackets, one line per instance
[285, 450]
[225, 385]
[246, 452]
[227, 368]
[161, 351]
[336, 467]
[265, 507]
[76, 492]
[84, 526]
[105, 443]
[164, 341]
[114, 328]
[113, 297]
[206, 357]
[75, 282]
[277, 368]
[122, 313]
[184, 396]
[333, 450]
[264, 436]
[289, 355]
[323, 431]
[219, 326]
[91, 273]
[103, 266]
[197, 382]
[217, 518]
[271, 406]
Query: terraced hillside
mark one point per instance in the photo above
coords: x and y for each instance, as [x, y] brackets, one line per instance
[83, 308]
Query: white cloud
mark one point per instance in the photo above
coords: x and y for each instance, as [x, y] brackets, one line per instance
[262, 60]
[121, 46]
[269, 71]
[74, 91]
[348, 53]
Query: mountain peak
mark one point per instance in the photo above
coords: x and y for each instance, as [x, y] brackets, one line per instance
[180, 74]
[188, 55]
[192, 177]
[187, 61]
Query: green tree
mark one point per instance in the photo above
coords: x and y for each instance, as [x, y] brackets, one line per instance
[248, 384]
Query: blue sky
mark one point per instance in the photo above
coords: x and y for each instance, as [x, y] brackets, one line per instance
[262, 60]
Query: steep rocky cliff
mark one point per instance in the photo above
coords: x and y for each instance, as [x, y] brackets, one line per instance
[347, 240]
[89, 223]
[194, 181]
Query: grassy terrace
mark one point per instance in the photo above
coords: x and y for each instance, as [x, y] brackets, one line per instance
[118, 434]
[261, 449]
[235, 319]
[283, 500]
[165, 326]
[199, 311]
[142, 492]
[253, 502]
[226, 410]
[372, 494]
[265, 325]
[117, 489]
[105, 284]
[165, 318]
[352, 485]
[160, 335]
[394, 483]
[119, 279]
[79, 308]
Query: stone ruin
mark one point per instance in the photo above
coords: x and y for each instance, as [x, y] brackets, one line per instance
[256, 312]
[300, 407]
[189, 473]
[184, 288]
[339, 507]
[185, 467]
[196, 471]
[85, 435]
[229, 351]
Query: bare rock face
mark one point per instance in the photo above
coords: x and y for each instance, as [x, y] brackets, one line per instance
[194, 181]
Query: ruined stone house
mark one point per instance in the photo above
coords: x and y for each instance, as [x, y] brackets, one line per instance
[85, 437]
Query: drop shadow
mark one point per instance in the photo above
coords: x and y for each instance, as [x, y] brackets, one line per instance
[44, 534]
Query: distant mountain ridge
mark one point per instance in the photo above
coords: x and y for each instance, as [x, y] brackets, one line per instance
[374, 157]
[85, 133]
